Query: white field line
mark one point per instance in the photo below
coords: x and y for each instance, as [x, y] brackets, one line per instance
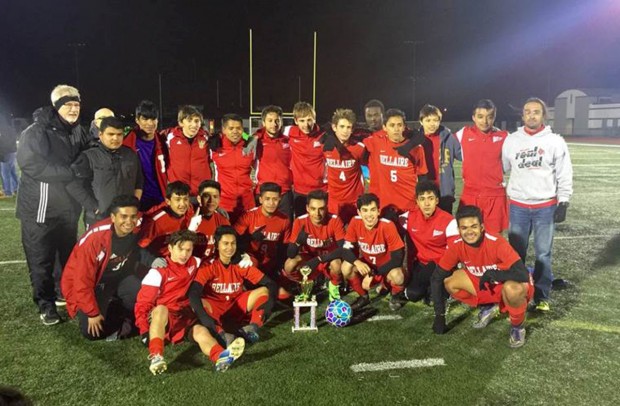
[596, 165]
[22, 261]
[387, 365]
[580, 237]
[8, 208]
[581, 325]
[385, 317]
[585, 144]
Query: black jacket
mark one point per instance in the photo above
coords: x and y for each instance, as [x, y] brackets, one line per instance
[101, 175]
[45, 153]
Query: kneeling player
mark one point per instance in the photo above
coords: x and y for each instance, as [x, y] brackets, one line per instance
[163, 311]
[493, 277]
[217, 294]
[381, 252]
[315, 242]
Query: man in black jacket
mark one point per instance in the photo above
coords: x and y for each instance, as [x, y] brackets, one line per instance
[48, 214]
[105, 171]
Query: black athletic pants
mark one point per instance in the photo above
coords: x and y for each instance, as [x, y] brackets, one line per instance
[43, 243]
[116, 304]
[420, 281]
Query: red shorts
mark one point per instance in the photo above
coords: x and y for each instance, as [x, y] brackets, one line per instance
[346, 211]
[179, 323]
[233, 311]
[494, 293]
[494, 210]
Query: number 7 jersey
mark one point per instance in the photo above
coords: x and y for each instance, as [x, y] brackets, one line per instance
[375, 244]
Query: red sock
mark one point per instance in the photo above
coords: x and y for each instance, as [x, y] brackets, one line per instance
[395, 290]
[156, 346]
[335, 279]
[516, 314]
[258, 311]
[356, 284]
[215, 352]
[466, 297]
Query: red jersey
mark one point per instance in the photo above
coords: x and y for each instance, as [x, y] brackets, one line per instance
[225, 283]
[164, 286]
[322, 239]
[189, 161]
[376, 244]
[307, 162]
[273, 160]
[494, 253]
[430, 236]
[482, 161]
[277, 229]
[397, 175]
[232, 169]
[205, 247]
[345, 182]
[158, 227]
[374, 186]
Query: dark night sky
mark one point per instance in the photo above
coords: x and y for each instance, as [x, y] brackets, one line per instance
[504, 50]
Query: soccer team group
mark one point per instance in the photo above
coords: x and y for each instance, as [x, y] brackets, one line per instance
[196, 236]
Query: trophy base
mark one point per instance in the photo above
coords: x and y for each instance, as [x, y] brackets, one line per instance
[312, 304]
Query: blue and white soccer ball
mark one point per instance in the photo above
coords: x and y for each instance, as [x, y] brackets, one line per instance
[338, 313]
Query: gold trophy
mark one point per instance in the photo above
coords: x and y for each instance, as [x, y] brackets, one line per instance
[305, 299]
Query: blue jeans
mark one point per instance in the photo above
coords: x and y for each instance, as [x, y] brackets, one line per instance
[9, 174]
[540, 221]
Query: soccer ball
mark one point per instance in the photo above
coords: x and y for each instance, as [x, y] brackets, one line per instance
[338, 313]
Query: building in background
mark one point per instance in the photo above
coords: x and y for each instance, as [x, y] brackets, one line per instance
[586, 112]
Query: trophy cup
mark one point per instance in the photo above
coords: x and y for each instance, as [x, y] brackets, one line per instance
[305, 299]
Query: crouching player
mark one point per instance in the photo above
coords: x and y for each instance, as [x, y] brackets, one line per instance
[493, 277]
[315, 242]
[381, 252]
[219, 299]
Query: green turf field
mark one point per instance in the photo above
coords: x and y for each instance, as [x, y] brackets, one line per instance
[571, 356]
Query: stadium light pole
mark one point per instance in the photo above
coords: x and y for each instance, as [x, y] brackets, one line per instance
[414, 44]
[76, 54]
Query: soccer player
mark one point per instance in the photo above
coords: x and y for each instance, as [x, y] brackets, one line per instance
[373, 113]
[232, 167]
[315, 242]
[163, 313]
[441, 148]
[188, 150]
[151, 150]
[47, 213]
[218, 296]
[307, 162]
[207, 219]
[110, 169]
[493, 277]
[265, 231]
[428, 229]
[395, 163]
[160, 223]
[273, 157]
[540, 186]
[381, 252]
[101, 279]
[483, 180]
[343, 159]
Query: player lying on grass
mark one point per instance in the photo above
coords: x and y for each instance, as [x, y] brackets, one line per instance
[163, 313]
[102, 276]
[221, 302]
[381, 253]
[493, 277]
[173, 215]
[428, 229]
[315, 242]
[207, 219]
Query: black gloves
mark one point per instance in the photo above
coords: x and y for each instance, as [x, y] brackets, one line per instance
[439, 325]
[313, 263]
[487, 277]
[302, 237]
[258, 235]
[415, 140]
[560, 212]
[329, 141]
[215, 142]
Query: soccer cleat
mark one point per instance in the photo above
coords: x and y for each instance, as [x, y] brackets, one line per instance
[334, 291]
[158, 364]
[517, 337]
[543, 306]
[396, 302]
[486, 314]
[230, 355]
[227, 338]
[360, 302]
[250, 333]
[60, 301]
[50, 316]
